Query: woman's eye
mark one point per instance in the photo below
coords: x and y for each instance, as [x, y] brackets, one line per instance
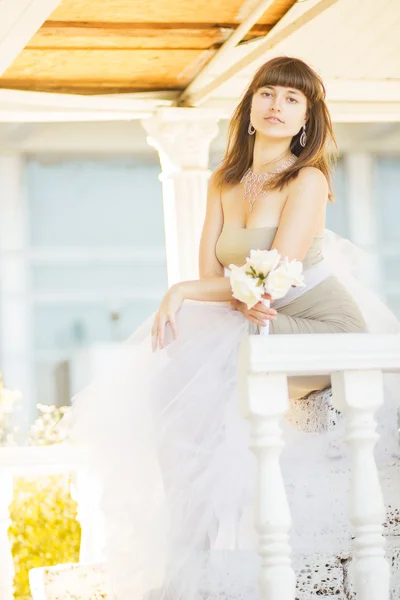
[291, 100]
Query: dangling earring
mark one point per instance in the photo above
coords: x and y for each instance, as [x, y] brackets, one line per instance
[251, 130]
[303, 137]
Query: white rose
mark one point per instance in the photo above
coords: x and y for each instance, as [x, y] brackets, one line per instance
[263, 261]
[278, 283]
[244, 287]
[294, 271]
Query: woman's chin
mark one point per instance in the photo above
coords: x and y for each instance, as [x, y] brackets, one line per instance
[273, 132]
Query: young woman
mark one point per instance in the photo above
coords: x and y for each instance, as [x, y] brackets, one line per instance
[271, 192]
[162, 427]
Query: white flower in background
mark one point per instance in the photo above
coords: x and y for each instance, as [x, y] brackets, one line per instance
[263, 261]
[244, 287]
[9, 400]
[293, 270]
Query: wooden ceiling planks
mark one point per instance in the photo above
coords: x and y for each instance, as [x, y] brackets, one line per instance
[162, 11]
[57, 34]
[121, 46]
[97, 71]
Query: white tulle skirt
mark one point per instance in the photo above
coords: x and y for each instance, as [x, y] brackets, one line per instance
[166, 443]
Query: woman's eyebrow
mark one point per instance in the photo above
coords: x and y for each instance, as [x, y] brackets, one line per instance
[271, 87]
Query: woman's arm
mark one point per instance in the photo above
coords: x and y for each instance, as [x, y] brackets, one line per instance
[212, 285]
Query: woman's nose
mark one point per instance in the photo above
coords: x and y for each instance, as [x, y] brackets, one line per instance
[276, 103]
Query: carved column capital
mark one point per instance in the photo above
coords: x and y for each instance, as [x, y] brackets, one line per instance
[182, 137]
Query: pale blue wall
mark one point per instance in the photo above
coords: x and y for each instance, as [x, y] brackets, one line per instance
[387, 200]
[336, 214]
[85, 203]
[88, 205]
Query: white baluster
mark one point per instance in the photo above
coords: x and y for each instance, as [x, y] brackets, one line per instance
[358, 394]
[86, 492]
[6, 560]
[267, 401]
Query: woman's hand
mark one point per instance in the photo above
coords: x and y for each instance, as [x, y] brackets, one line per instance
[169, 306]
[258, 314]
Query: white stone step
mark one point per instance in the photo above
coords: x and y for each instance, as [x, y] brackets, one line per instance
[71, 580]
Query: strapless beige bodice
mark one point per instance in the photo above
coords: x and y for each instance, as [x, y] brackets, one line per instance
[234, 245]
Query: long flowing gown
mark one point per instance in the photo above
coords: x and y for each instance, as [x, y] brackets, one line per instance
[170, 451]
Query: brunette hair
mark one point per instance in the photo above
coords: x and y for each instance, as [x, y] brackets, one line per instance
[321, 148]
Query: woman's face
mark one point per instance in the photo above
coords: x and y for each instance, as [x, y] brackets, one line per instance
[278, 112]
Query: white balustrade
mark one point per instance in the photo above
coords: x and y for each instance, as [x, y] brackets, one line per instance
[272, 518]
[356, 363]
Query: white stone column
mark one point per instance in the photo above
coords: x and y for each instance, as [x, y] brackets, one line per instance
[182, 137]
[362, 214]
[15, 302]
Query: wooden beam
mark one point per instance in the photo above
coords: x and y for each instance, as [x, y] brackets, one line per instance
[341, 90]
[365, 112]
[138, 26]
[276, 35]
[94, 87]
[70, 116]
[20, 20]
[35, 107]
[233, 40]
[23, 100]
[363, 90]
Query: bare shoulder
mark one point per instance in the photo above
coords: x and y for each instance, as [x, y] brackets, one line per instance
[214, 190]
[214, 183]
[312, 175]
[312, 182]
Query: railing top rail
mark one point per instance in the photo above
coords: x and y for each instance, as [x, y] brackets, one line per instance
[310, 354]
[55, 458]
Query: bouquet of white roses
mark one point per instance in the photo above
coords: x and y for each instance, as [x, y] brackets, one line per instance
[265, 272]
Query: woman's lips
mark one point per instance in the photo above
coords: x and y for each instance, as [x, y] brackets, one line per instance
[273, 120]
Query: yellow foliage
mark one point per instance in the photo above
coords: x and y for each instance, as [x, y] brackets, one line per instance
[44, 530]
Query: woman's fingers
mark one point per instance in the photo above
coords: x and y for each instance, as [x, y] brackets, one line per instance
[173, 326]
[262, 314]
[158, 331]
[257, 321]
[264, 309]
[161, 332]
[154, 334]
